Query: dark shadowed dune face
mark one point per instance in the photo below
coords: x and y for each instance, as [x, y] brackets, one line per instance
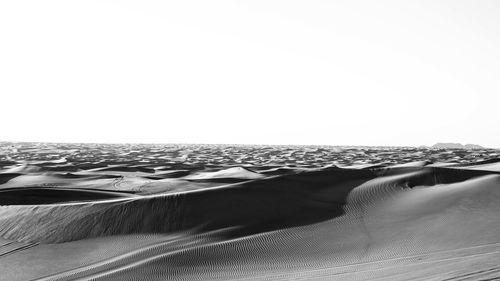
[204, 212]
[43, 195]
[5, 177]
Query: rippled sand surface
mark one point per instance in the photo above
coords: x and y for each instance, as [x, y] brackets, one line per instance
[222, 212]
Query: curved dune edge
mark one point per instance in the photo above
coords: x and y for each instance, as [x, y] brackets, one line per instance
[253, 206]
[344, 223]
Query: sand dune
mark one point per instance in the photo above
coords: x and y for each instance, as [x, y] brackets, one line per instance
[416, 220]
[235, 172]
[492, 165]
[42, 196]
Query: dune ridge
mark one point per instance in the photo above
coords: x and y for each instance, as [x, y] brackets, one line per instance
[360, 237]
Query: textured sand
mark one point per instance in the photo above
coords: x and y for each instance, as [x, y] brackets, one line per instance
[132, 220]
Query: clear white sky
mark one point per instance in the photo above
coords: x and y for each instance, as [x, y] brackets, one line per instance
[268, 72]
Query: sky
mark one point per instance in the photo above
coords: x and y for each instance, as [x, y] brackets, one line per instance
[251, 72]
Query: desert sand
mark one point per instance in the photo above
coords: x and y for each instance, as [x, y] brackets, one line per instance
[205, 212]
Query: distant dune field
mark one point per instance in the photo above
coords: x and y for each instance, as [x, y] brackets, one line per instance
[125, 212]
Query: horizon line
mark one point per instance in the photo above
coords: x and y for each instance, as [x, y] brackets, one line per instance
[241, 144]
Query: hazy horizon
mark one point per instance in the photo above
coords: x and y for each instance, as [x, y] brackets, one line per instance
[386, 73]
[245, 144]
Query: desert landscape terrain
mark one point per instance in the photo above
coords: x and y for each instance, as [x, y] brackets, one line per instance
[236, 212]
